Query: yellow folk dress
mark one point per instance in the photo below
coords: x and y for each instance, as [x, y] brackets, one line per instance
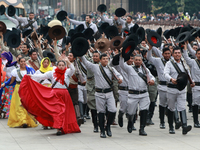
[18, 115]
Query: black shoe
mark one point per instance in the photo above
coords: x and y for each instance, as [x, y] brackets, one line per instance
[80, 121]
[83, 120]
[87, 117]
[108, 131]
[162, 126]
[171, 131]
[102, 134]
[186, 129]
[133, 128]
[130, 126]
[177, 125]
[142, 132]
[197, 125]
[130, 123]
[148, 122]
[120, 118]
[24, 125]
[59, 133]
[151, 122]
[96, 129]
[190, 110]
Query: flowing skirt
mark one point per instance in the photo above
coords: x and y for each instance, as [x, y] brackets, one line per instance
[51, 107]
[18, 115]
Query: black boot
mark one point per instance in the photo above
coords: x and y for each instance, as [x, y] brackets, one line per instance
[162, 116]
[101, 125]
[84, 110]
[189, 100]
[185, 127]
[94, 120]
[170, 116]
[87, 112]
[195, 116]
[176, 119]
[130, 122]
[143, 118]
[150, 114]
[111, 117]
[134, 119]
[120, 118]
[81, 111]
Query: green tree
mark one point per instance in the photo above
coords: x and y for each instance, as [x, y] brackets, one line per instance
[174, 6]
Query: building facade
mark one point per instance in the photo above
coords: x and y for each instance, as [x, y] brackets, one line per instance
[77, 7]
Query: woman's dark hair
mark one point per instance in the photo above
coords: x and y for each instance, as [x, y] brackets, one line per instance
[61, 61]
[21, 58]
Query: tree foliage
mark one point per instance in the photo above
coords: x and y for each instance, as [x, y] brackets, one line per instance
[174, 6]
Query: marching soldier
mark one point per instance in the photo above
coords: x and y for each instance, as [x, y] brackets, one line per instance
[159, 63]
[194, 65]
[137, 77]
[73, 90]
[90, 86]
[104, 96]
[175, 97]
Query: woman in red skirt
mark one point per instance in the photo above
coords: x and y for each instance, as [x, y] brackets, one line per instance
[51, 106]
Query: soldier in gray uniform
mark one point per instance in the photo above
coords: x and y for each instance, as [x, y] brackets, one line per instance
[82, 92]
[103, 75]
[123, 92]
[127, 23]
[159, 63]
[174, 96]
[90, 86]
[194, 65]
[29, 22]
[137, 77]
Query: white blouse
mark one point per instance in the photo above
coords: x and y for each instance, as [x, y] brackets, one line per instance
[46, 81]
[49, 75]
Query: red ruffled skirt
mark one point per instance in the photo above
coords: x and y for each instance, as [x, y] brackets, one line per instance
[51, 107]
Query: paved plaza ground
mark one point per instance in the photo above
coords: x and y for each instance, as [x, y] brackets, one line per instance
[157, 139]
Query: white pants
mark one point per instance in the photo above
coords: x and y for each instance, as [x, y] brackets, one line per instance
[133, 104]
[103, 100]
[176, 100]
[162, 98]
[195, 97]
[82, 94]
[123, 98]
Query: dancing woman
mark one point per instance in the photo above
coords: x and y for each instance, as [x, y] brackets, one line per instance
[51, 106]
[18, 116]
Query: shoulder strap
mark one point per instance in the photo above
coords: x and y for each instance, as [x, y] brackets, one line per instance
[126, 24]
[87, 24]
[164, 63]
[176, 66]
[105, 75]
[19, 74]
[197, 63]
[33, 65]
[56, 82]
[81, 67]
[141, 75]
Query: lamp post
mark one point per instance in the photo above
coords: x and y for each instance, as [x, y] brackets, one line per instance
[121, 3]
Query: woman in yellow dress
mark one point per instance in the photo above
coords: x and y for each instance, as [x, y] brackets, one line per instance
[18, 116]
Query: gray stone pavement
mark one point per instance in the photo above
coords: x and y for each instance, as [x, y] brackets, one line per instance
[157, 139]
